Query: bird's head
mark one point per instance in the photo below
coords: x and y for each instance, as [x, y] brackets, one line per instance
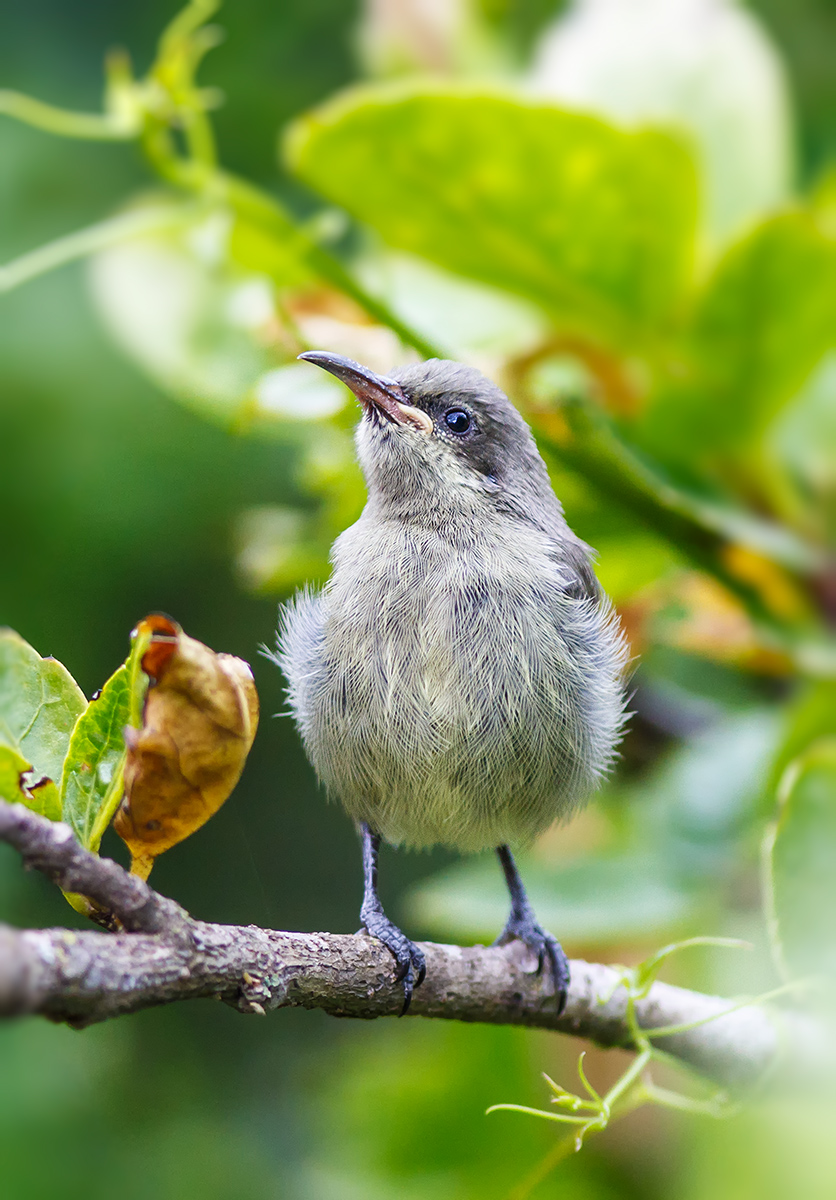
[438, 436]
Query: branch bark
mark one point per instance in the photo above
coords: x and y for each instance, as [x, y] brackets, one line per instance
[165, 956]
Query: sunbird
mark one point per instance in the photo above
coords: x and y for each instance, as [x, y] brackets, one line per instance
[459, 681]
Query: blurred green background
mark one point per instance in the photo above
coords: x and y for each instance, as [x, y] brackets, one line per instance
[117, 500]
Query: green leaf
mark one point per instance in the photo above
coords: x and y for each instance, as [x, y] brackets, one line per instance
[766, 318]
[588, 221]
[802, 864]
[92, 779]
[41, 795]
[91, 784]
[39, 705]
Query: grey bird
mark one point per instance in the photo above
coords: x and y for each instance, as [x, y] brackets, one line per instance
[459, 680]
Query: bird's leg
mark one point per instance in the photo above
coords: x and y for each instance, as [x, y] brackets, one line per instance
[411, 967]
[524, 926]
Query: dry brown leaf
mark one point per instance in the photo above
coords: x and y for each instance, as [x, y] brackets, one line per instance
[199, 721]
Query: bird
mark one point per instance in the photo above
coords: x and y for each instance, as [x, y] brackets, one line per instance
[459, 680]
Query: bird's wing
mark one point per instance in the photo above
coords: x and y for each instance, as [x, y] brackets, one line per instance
[574, 558]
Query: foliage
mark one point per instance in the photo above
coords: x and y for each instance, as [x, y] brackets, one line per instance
[680, 382]
[601, 237]
[125, 746]
[593, 1112]
[92, 774]
[74, 751]
[40, 705]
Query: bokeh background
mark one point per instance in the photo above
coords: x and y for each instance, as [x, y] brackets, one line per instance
[118, 499]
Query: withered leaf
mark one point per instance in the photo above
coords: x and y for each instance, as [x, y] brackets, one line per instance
[198, 724]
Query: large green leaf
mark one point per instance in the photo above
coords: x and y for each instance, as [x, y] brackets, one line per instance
[765, 320]
[588, 221]
[704, 67]
[803, 864]
[39, 705]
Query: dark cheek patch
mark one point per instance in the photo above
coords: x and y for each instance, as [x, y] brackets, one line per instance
[476, 451]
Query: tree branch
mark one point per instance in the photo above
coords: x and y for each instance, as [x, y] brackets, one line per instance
[51, 848]
[85, 977]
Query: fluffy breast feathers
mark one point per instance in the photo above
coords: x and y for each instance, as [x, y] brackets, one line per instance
[467, 695]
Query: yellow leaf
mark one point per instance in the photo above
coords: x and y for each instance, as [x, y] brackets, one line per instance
[198, 724]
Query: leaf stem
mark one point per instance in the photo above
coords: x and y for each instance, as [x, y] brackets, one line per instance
[73, 246]
[698, 527]
[647, 970]
[716, 1106]
[270, 215]
[117, 126]
[169, 99]
[561, 1149]
[670, 1030]
[561, 1118]
[626, 1081]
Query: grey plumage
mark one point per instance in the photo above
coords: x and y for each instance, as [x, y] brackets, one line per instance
[459, 679]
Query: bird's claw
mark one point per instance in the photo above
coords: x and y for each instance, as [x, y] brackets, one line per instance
[527, 929]
[410, 964]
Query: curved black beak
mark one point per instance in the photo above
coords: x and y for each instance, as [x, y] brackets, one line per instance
[371, 390]
[377, 393]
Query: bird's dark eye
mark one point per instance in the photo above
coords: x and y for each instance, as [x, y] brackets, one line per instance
[457, 420]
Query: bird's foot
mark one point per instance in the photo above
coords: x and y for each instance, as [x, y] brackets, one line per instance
[411, 966]
[525, 928]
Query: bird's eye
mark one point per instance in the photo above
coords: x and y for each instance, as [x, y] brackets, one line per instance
[457, 420]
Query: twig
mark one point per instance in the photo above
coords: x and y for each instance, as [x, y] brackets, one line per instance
[51, 848]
